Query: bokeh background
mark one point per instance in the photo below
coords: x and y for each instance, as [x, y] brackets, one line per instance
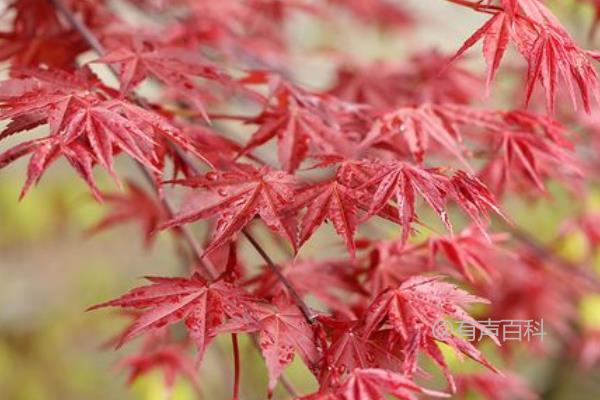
[50, 270]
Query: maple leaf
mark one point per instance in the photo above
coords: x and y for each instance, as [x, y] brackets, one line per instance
[135, 205]
[494, 386]
[519, 151]
[201, 305]
[299, 120]
[283, 331]
[43, 153]
[474, 197]
[415, 308]
[236, 197]
[37, 36]
[171, 359]
[466, 251]
[416, 126]
[530, 287]
[495, 35]
[543, 42]
[391, 263]
[85, 128]
[348, 349]
[372, 383]
[403, 181]
[425, 78]
[331, 201]
[376, 182]
[174, 67]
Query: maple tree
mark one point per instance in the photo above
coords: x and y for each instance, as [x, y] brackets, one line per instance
[384, 144]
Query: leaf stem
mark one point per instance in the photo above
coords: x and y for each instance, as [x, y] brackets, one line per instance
[186, 232]
[236, 363]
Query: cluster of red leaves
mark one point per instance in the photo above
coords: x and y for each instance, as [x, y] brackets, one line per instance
[545, 44]
[387, 140]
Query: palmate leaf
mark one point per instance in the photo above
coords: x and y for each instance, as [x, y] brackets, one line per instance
[134, 205]
[469, 251]
[348, 350]
[530, 151]
[402, 182]
[413, 311]
[495, 35]
[282, 332]
[320, 278]
[488, 384]
[174, 67]
[236, 197]
[203, 306]
[85, 128]
[301, 121]
[172, 360]
[545, 44]
[417, 126]
[330, 201]
[425, 78]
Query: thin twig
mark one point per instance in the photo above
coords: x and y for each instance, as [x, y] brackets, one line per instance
[79, 26]
[186, 232]
[308, 314]
[236, 363]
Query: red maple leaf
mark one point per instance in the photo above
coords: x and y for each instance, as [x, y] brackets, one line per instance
[425, 78]
[299, 120]
[86, 129]
[135, 205]
[174, 67]
[493, 386]
[403, 181]
[348, 349]
[466, 252]
[529, 149]
[282, 331]
[495, 35]
[417, 127]
[330, 201]
[236, 197]
[201, 305]
[171, 359]
[37, 36]
[415, 310]
[545, 44]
